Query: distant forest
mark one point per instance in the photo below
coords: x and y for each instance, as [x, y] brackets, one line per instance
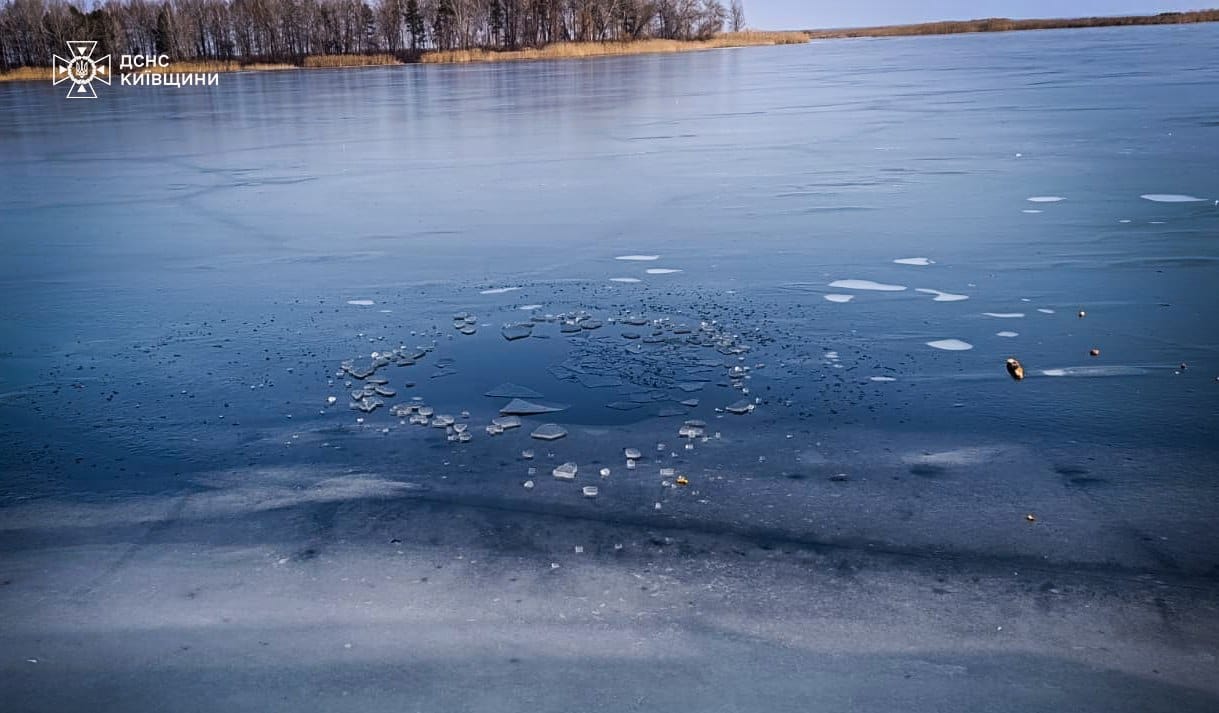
[31, 31]
[1003, 24]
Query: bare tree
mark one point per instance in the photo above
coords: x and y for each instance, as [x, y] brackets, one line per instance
[736, 16]
[289, 30]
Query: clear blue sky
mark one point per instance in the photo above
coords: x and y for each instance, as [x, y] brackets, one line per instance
[806, 14]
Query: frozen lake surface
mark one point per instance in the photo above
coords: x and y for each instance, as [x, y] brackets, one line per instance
[249, 333]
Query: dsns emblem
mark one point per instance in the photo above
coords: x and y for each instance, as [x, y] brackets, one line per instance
[81, 70]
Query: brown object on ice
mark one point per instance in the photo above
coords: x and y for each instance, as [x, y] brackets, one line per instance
[1082, 314]
[1015, 368]
[681, 480]
[1095, 352]
[1031, 517]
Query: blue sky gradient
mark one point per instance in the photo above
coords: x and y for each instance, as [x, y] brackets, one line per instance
[806, 14]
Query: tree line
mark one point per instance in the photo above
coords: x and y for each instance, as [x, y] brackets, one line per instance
[31, 31]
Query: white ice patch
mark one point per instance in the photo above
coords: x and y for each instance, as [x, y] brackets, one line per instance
[624, 279]
[950, 345]
[1170, 198]
[499, 290]
[941, 296]
[529, 308]
[661, 271]
[840, 298]
[1043, 310]
[638, 258]
[1008, 335]
[361, 303]
[865, 285]
[884, 379]
[1095, 371]
[1124, 220]
[1030, 210]
[1046, 199]
[920, 261]
[1004, 315]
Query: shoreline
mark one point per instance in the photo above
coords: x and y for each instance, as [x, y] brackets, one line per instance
[557, 51]
[594, 50]
[1004, 24]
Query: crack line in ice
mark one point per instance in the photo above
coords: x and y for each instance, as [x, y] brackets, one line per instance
[499, 290]
[1004, 315]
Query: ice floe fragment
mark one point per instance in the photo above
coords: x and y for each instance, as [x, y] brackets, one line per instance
[513, 391]
[506, 422]
[549, 432]
[521, 407]
[513, 332]
[740, 407]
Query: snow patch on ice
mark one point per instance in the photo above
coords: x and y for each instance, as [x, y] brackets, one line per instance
[865, 285]
[950, 345]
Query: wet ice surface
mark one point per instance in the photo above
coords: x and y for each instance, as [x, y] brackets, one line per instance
[184, 336]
